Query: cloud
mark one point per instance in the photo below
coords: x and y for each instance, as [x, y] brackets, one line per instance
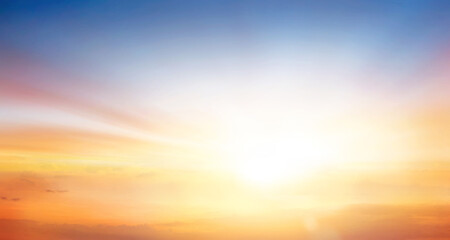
[24, 229]
[14, 199]
[55, 191]
[391, 222]
[19, 88]
[369, 222]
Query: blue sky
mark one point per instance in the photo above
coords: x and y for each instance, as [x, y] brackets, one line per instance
[114, 40]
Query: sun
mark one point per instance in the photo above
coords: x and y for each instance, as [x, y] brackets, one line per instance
[271, 146]
[267, 158]
[262, 163]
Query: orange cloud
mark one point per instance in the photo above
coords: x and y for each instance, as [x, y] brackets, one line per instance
[390, 222]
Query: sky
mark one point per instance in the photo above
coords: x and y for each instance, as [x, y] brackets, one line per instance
[320, 120]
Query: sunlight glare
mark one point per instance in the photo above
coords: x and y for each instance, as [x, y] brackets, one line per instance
[266, 156]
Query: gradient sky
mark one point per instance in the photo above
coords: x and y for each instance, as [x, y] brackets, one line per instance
[125, 113]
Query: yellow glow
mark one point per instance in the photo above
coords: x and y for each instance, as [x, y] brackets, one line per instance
[275, 159]
[270, 154]
[285, 147]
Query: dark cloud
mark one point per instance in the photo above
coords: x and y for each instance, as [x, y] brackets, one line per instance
[14, 199]
[55, 191]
